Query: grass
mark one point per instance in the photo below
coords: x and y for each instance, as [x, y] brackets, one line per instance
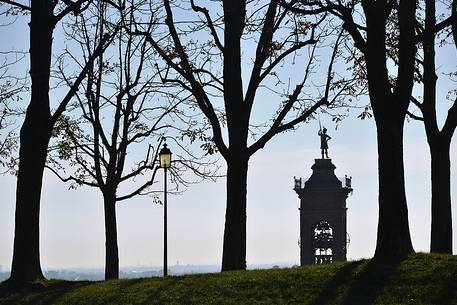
[420, 279]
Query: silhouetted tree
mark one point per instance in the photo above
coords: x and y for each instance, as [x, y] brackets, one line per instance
[439, 140]
[36, 130]
[262, 37]
[121, 106]
[371, 24]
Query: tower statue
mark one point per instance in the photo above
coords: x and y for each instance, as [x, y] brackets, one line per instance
[324, 142]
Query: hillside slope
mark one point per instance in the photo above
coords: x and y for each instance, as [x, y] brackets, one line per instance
[420, 279]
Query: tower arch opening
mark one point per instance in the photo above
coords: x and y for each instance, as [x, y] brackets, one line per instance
[323, 243]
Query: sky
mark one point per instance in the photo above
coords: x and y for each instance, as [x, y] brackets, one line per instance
[71, 223]
[72, 233]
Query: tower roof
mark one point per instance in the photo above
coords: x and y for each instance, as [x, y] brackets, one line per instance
[323, 175]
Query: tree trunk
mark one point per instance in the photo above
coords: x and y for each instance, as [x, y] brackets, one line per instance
[393, 240]
[111, 249]
[34, 139]
[234, 250]
[441, 235]
[439, 142]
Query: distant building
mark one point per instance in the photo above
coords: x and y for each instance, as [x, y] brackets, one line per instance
[323, 234]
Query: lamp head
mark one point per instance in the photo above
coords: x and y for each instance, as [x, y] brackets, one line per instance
[165, 156]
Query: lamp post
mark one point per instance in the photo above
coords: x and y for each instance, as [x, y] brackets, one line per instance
[165, 163]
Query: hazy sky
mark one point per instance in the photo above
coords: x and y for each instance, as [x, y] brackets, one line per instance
[72, 228]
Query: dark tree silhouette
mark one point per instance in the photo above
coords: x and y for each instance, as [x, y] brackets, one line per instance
[123, 105]
[439, 140]
[36, 131]
[273, 37]
[113, 89]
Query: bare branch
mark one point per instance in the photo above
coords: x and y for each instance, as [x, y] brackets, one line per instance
[414, 117]
[196, 88]
[210, 23]
[417, 103]
[71, 7]
[17, 4]
[262, 49]
[71, 178]
[451, 121]
[141, 188]
[278, 126]
[99, 50]
[339, 10]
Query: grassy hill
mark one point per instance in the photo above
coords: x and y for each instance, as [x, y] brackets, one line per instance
[420, 279]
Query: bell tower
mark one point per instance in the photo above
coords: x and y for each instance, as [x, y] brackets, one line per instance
[323, 236]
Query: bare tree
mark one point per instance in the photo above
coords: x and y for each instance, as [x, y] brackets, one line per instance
[121, 107]
[259, 38]
[37, 129]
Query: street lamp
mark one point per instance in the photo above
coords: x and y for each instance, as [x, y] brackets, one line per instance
[165, 163]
